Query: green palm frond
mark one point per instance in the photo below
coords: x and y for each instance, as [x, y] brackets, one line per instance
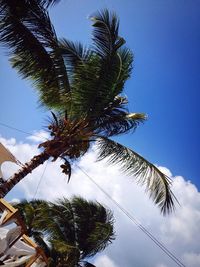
[74, 229]
[61, 224]
[62, 247]
[39, 239]
[84, 88]
[115, 62]
[29, 212]
[120, 123]
[94, 226]
[26, 29]
[95, 85]
[105, 34]
[102, 76]
[74, 54]
[117, 121]
[126, 59]
[47, 3]
[145, 173]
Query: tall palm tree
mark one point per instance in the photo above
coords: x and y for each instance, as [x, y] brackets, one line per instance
[69, 231]
[84, 88]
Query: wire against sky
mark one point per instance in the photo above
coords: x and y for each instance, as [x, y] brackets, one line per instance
[21, 131]
[45, 167]
[137, 223]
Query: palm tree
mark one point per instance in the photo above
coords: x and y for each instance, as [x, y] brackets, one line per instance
[84, 88]
[69, 231]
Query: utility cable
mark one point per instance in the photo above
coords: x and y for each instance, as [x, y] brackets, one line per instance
[27, 133]
[137, 223]
[40, 180]
[21, 131]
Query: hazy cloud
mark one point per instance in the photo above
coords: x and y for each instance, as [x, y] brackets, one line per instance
[38, 136]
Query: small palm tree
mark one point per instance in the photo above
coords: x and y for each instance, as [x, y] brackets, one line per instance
[83, 86]
[69, 231]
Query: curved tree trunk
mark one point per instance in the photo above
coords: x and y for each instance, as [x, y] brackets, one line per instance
[6, 186]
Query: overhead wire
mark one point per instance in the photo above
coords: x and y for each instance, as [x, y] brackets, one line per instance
[137, 223]
[134, 220]
[39, 182]
[27, 133]
[21, 131]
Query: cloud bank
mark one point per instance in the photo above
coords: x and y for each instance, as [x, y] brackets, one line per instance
[179, 232]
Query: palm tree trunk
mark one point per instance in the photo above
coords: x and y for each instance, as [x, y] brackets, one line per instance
[6, 186]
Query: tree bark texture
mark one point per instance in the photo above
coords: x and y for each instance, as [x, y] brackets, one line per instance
[7, 185]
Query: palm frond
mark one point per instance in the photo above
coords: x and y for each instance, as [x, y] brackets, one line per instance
[95, 85]
[74, 54]
[126, 58]
[84, 89]
[29, 212]
[102, 76]
[27, 31]
[115, 119]
[39, 239]
[61, 223]
[120, 123]
[74, 229]
[116, 62]
[105, 34]
[99, 74]
[47, 3]
[94, 226]
[145, 173]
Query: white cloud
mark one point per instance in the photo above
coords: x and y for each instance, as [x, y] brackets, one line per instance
[192, 259]
[104, 261]
[38, 136]
[161, 265]
[179, 231]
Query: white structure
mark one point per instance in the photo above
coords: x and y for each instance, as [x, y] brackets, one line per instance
[5, 155]
[16, 248]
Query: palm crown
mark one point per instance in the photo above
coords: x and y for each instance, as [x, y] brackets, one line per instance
[83, 86]
[69, 231]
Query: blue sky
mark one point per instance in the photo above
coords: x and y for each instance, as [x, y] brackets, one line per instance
[165, 39]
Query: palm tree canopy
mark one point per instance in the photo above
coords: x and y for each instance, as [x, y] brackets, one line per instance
[68, 230]
[82, 85]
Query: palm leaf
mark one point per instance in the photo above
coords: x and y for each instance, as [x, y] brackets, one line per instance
[95, 85]
[120, 123]
[58, 221]
[73, 229]
[47, 3]
[94, 226]
[74, 54]
[115, 119]
[125, 59]
[27, 31]
[105, 34]
[102, 76]
[145, 173]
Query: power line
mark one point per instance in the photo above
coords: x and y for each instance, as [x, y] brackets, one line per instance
[137, 223]
[40, 180]
[27, 133]
[21, 131]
